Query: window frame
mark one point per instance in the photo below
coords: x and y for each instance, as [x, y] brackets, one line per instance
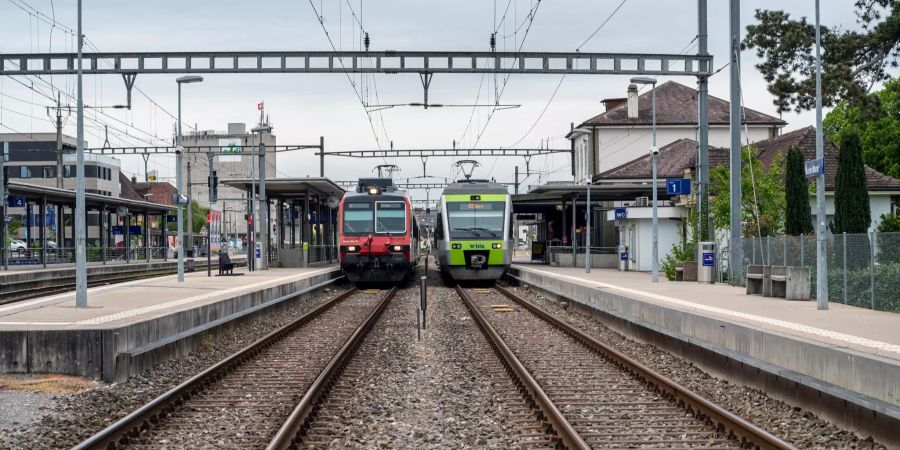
[405, 218]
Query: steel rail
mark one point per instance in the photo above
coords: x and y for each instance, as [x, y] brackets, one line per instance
[747, 431]
[306, 407]
[564, 430]
[153, 412]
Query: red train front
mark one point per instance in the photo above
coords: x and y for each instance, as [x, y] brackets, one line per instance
[379, 236]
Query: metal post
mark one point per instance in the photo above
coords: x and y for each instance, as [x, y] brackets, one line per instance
[574, 225]
[871, 268]
[127, 244]
[165, 235]
[784, 241]
[209, 246]
[179, 247]
[768, 250]
[265, 227]
[803, 252]
[190, 210]
[251, 236]
[321, 156]
[147, 235]
[423, 298]
[703, 124]
[654, 275]
[845, 267]
[821, 261]
[81, 300]
[587, 230]
[104, 232]
[735, 261]
[42, 210]
[517, 180]
[4, 249]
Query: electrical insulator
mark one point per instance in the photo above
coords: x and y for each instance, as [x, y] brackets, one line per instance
[366, 41]
[493, 41]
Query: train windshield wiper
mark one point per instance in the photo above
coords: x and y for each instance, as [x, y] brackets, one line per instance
[473, 230]
[492, 232]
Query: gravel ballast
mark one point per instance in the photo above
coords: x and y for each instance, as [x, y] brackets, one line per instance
[793, 424]
[67, 419]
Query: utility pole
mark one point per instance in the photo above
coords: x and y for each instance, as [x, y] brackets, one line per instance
[322, 156]
[821, 257]
[80, 222]
[189, 209]
[703, 132]
[59, 142]
[146, 157]
[736, 250]
[3, 203]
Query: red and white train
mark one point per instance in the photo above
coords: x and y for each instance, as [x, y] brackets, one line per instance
[379, 235]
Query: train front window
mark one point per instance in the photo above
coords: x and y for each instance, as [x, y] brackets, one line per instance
[476, 220]
[390, 217]
[359, 219]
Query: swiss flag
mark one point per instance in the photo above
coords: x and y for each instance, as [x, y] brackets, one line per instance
[259, 106]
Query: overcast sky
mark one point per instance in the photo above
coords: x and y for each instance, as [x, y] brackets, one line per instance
[303, 107]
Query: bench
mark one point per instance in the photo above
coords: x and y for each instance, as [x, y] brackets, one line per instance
[226, 266]
[756, 279]
[686, 271]
[790, 282]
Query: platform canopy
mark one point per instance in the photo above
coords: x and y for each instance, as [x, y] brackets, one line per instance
[551, 194]
[67, 197]
[292, 188]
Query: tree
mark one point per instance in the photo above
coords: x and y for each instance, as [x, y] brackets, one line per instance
[798, 217]
[878, 126]
[762, 213]
[851, 196]
[890, 223]
[199, 218]
[852, 61]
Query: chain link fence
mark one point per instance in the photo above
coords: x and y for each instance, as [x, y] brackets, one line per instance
[863, 269]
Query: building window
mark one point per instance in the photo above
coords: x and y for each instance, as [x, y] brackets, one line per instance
[24, 172]
[48, 172]
[68, 171]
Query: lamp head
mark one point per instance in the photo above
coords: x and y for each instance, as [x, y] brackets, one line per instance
[189, 79]
[644, 80]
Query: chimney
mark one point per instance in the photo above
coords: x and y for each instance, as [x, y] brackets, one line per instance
[612, 103]
[632, 101]
[133, 179]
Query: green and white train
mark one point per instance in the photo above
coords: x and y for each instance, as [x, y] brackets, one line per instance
[473, 232]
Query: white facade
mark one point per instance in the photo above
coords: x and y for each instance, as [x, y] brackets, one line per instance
[617, 145]
[879, 203]
[636, 233]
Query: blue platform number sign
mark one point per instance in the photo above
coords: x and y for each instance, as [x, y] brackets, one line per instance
[709, 259]
[16, 201]
[678, 186]
[815, 168]
[118, 229]
[621, 213]
[623, 256]
[258, 252]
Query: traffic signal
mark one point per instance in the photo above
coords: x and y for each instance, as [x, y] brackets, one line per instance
[249, 219]
[208, 217]
[213, 184]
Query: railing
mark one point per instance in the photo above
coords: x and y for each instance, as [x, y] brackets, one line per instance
[554, 253]
[322, 254]
[66, 255]
[863, 269]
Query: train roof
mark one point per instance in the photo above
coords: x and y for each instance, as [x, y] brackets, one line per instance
[477, 187]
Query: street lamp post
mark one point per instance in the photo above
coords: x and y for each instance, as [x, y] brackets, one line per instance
[179, 239]
[654, 152]
[263, 202]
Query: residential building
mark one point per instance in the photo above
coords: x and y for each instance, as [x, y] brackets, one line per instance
[622, 133]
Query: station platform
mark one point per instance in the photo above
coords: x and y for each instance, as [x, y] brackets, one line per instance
[845, 359]
[130, 326]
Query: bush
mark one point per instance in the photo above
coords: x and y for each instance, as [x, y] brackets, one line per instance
[679, 253]
[859, 289]
[889, 223]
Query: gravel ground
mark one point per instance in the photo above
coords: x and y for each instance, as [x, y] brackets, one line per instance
[793, 424]
[70, 418]
[446, 391]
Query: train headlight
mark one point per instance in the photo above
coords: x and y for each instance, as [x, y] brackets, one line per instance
[351, 248]
[496, 245]
[374, 190]
[456, 246]
[398, 248]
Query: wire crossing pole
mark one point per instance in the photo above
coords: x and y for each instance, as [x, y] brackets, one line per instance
[735, 260]
[821, 261]
[80, 226]
[179, 247]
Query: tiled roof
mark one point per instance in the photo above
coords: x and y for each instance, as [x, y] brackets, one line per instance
[672, 161]
[156, 192]
[676, 104]
[805, 140]
[674, 158]
[126, 189]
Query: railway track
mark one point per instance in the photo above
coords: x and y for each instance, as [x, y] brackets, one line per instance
[593, 396]
[241, 401]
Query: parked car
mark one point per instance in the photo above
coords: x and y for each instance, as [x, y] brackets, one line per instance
[17, 246]
[50, 244]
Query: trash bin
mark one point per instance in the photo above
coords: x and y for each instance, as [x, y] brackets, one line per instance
[706, 272]
[190, 265]
[623, 258]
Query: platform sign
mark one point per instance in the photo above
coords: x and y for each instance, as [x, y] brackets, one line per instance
[16, 201]
[709, 259]
[678, 186]
[623, 256]
[7, 219]
[134, 230]
[815, 167]
[118, 229]
[181, 200]
[621, 213]
[171, 219]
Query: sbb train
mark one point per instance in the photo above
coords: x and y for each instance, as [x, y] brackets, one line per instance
[379, 236]
[473, 234]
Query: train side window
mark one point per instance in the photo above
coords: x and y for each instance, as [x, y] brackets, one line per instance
[439, 227]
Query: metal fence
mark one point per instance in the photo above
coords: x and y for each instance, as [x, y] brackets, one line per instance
[66, 255]
[863, 269]
[322, 254]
